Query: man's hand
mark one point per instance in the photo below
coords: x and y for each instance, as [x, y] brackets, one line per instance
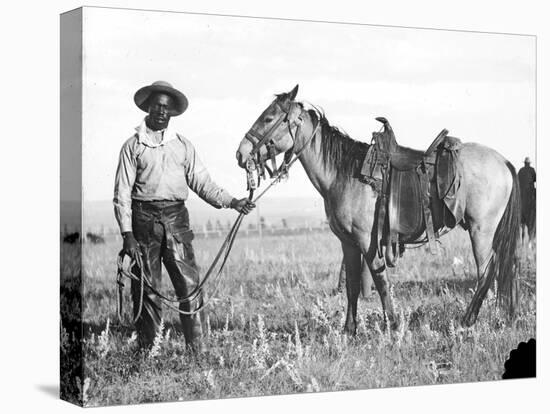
[130, 245]
[244, 205]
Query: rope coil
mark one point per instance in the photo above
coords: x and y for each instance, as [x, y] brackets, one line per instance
[145, 285]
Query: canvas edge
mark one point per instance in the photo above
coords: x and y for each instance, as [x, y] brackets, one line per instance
[71, 346]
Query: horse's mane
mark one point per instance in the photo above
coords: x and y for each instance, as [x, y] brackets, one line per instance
[338, 150]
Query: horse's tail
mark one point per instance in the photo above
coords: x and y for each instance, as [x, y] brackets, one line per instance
[505, 241]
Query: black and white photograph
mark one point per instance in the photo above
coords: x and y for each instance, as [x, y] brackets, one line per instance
[273, 206]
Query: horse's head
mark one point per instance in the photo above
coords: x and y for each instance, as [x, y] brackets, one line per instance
[273, 132]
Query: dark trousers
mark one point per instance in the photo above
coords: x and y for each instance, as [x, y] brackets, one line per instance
[162, 230]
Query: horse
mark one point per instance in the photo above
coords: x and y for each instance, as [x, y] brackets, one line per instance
[366, 280]
[331, 158]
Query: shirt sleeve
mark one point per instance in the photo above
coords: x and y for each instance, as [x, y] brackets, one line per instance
[199, 180]
[124, 182]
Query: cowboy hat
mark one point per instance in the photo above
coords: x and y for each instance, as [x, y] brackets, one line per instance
[142, 96]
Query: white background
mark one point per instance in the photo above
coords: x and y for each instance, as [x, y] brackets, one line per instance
[30, 205]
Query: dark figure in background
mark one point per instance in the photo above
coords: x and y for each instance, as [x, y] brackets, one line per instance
[95, 238]
[156, 168]
[527, 178]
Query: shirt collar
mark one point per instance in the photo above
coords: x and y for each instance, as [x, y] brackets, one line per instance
[145, 135]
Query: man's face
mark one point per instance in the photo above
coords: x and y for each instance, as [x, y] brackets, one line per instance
[160, 108]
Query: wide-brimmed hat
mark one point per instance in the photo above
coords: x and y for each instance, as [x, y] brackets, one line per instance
[142, 96]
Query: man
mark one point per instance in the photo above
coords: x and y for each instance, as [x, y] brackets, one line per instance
[156, 168]
[527, 179]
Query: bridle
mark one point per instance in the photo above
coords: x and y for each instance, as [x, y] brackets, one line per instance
[255, 163]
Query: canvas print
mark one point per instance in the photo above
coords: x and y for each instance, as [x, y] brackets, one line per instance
[255, 207]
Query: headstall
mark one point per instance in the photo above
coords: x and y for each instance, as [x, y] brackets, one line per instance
[255, 164]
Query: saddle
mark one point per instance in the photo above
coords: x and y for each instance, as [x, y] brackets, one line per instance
[417, 190]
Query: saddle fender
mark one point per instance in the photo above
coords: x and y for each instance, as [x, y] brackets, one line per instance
[417, 191]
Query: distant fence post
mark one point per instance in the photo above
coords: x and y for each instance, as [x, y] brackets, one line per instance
[258, 221]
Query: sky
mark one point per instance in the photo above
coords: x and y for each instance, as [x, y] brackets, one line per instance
[479, 86]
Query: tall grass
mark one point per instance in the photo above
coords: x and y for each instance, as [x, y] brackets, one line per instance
[276, 326]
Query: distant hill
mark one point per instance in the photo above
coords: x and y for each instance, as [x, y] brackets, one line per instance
[297, 211]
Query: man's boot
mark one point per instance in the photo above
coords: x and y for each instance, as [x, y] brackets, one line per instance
[193, 332]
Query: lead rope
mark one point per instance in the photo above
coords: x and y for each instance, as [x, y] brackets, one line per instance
[226, 246]
[224, 251]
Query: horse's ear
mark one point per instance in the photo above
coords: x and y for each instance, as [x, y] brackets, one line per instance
[292, 94]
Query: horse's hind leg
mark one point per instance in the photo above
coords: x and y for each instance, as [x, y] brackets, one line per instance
[482, 241]
[352, 261]
[378, 271]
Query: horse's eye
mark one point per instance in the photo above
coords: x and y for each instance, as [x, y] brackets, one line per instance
[268, 119]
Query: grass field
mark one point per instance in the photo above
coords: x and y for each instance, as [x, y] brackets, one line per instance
[275, 327]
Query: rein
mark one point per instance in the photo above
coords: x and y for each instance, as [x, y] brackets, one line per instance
[136, 263]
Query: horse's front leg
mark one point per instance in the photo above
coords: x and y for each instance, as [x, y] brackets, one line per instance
[341, 277]
[352, 261]
[378, 271]
[366, 280]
